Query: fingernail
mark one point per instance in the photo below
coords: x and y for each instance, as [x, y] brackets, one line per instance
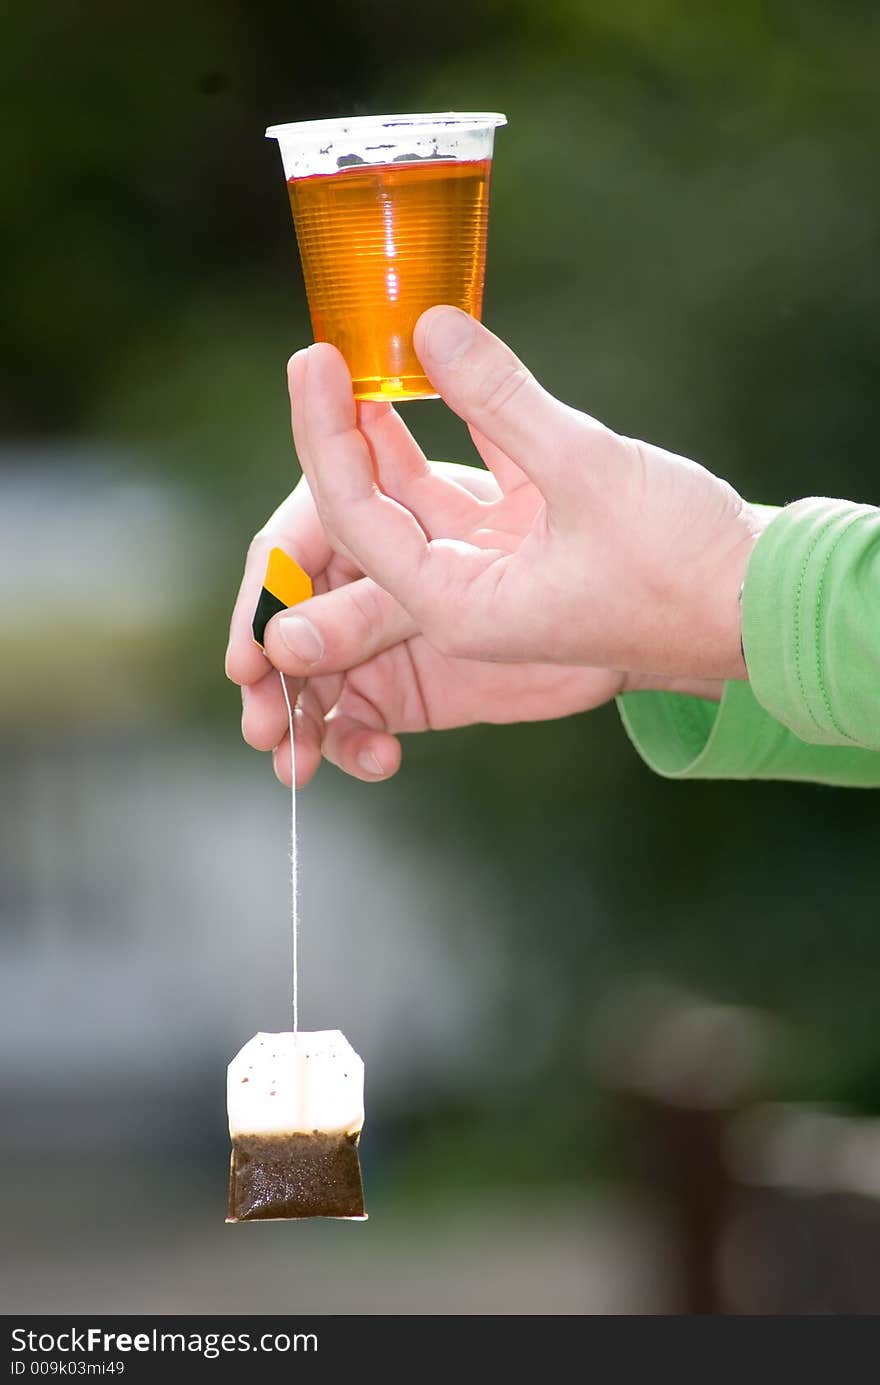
[301, 638]
[449, 335]
[369, 764]
[275, 763]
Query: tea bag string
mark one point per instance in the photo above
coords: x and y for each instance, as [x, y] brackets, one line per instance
[294, 903]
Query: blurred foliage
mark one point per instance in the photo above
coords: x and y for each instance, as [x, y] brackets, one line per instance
[683, 242]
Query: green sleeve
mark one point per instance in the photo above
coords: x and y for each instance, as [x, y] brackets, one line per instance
[811, 621]
[811, 635]
[689, 738]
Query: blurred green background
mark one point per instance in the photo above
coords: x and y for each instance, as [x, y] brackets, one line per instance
[683, 242]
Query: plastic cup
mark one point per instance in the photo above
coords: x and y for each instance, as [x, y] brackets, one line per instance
[391, 214]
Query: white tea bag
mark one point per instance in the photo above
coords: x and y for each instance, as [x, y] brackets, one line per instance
[296, 1109]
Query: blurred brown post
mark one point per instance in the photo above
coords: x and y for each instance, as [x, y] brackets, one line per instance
[689, 1064]
[699, 1192]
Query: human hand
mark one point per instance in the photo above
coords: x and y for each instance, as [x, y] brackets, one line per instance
[376, 675]
[601, 551]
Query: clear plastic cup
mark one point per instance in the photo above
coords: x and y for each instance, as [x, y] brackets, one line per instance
[391, 214]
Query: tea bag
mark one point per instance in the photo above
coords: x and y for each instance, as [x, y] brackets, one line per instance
[296, 1109]
[295, 1100]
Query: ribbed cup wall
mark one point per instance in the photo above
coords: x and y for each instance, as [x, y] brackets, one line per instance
[380, 244]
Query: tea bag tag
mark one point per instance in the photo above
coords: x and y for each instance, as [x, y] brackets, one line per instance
[284, 585]
[296, 1109]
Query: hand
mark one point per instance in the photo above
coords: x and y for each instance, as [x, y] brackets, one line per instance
[601, 551]
[375, 675]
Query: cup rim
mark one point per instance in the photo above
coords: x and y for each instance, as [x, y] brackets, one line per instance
[359, 124]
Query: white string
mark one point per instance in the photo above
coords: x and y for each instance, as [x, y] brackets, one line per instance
[294, 906]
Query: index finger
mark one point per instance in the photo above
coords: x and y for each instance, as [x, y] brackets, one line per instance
[383, 536]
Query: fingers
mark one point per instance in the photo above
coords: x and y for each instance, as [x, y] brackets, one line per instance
[334, 383]
[360, 750]
[439, 503]
[438, 494]
[337, 630]
[506, 472]
[385, 538]
[308, 723]
[370, 756]
[481, 484]
[354, 739]
[366, 752]
[264, 722]
[264, 712]
[296, 528]
[400, 462]
[296, 373]
[489, 387]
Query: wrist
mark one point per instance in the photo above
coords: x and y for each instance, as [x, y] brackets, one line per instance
[715, 618]
[698, 616]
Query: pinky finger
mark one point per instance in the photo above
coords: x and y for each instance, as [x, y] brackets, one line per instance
[361, 751]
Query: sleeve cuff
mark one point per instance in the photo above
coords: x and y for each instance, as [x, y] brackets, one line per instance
[810, 619]
[683, 737]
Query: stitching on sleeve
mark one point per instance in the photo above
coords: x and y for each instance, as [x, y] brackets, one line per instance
[797, 623]
[823, 692]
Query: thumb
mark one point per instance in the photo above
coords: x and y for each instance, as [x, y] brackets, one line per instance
[489, 387]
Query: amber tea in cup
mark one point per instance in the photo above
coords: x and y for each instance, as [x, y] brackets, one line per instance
[391, 216]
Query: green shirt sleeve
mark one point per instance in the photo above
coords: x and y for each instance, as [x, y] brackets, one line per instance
[689, 738]
[811, 635]
[811, 621]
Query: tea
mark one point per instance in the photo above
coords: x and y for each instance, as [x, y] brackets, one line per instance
[296, 1109]
[379, 244]
[283, 1177]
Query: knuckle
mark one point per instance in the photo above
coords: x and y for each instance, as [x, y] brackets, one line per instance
[328, 515]
[500, 385]
[365, 609]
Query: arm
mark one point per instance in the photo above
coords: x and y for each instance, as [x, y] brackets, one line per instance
[811, 634]
[591, 555]
[811, 622]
